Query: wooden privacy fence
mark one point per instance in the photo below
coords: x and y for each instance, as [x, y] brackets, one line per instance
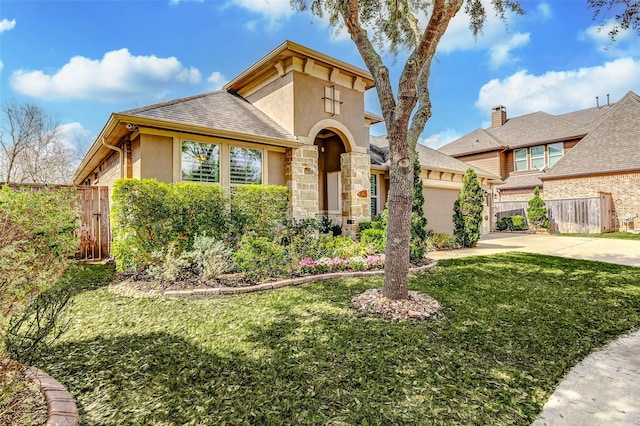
[94, 230]
[567, 216]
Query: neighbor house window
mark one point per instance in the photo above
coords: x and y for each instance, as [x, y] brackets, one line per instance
[374, 195]
[555, 153]
[520, 156]
[537, 157]
[200, 162]
[245, 165]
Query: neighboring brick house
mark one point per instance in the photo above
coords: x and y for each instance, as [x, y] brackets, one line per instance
[294, 118]
[574, 155]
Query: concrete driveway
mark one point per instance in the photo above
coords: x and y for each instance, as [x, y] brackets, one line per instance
[623, 252]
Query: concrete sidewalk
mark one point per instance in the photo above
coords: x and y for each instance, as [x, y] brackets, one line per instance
[622, 252]
[604, 388]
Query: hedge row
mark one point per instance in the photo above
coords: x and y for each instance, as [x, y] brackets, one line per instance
[148, 216]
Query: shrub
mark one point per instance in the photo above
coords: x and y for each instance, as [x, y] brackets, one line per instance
[537, 212]
[210, 257]
[467, 211]
[168, 265]
[376, 238]
[417, 247]
[36, 242]
[511, 223]
[441, 241]
[327, 226]
[260, 257]
[257, 208]
[518, 223]
[148, 216]
[374, 224]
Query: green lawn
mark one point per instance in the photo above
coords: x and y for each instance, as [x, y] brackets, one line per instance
[512, 326]
[615, 235]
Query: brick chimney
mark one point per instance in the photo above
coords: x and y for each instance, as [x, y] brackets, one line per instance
[498, 116]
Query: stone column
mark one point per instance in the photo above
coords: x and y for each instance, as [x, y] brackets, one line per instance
[301, 175]
[356, 191]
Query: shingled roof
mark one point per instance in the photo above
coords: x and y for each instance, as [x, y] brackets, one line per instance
[525, 130]
[612, 146]
[215, 110]
[430, 159]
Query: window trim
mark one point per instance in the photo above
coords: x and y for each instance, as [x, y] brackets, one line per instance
[538, 157]
[516, 160]
[558, 156]
[262, 162]
[182, 162]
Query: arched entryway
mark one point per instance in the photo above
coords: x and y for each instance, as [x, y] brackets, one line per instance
[330, 149]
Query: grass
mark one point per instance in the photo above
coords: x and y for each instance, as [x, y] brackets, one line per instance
[613, 235]
[512, 326]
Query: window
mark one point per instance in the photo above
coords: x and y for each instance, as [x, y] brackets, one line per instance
[374, 195]
[555, 153]
[200, 162]
[520, 159]
[245, 166]
[537, 157]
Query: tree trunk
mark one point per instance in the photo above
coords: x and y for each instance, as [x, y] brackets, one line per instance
[396, 270]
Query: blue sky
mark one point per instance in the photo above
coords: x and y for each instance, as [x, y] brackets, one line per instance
[84, 59]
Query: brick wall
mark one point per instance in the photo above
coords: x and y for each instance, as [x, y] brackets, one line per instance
[624, 189]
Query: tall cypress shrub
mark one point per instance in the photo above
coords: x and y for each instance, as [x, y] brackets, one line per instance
[418, 220]
[537, 212]
[467, 211]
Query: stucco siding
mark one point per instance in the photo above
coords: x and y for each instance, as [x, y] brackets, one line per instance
[158, 152]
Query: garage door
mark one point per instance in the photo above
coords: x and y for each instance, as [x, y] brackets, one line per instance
[438, 208]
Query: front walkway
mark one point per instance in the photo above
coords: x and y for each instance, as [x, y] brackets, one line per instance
[604, 388]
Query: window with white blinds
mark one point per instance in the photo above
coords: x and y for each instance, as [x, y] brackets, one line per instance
[245, 166]
[200, 162]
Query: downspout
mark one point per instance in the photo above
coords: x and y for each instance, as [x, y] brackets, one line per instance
[119, 151]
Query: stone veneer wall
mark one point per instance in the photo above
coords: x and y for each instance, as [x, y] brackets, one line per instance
[356, 188]
[301, 176]
[624, 189]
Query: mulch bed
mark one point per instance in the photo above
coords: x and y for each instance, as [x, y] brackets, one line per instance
[373, 302]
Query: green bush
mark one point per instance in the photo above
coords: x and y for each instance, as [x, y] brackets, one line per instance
[257, 208]
[518, 223]
[511, 223]
[441, 241]
[376, 238]
[537, 212]
[148, 216]
[374, 224]
[260, 257]
[467, 211]
[36, 243]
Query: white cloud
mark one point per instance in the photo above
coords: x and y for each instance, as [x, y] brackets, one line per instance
[500, 54]
[561, 91]
[1, 65]
[216, 80]
[543, 10]
[274, 11]
[75, 136]
[6, 25]
[440, 139]
[118, 75]
[625, 43]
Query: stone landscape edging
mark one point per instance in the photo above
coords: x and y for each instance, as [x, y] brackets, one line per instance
[223, 291]
[61, 408]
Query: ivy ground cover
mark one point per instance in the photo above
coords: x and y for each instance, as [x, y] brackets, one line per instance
[512, 326]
